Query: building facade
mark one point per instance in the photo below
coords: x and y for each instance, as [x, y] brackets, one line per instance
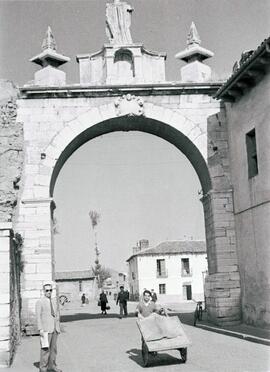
[72, 284]
[111, 285]
[174, 269]
[247, 99]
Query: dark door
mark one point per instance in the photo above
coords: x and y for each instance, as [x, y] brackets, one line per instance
[189, 292]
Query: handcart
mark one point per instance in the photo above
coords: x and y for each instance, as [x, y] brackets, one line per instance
[151, 344]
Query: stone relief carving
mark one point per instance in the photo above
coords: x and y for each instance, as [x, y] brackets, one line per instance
[129, 105]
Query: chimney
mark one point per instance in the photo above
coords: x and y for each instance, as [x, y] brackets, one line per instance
[143, 244]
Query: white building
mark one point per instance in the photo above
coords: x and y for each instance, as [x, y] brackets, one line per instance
[174, 269]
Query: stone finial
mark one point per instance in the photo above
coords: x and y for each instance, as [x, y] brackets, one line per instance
[49, 60]
[49, 56]
[194, 51]
[193, 55]
[49, 41]
[193, 35]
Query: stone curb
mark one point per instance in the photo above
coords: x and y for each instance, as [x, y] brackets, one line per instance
[243, 336]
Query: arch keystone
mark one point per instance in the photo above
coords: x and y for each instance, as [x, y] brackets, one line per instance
[129, 105]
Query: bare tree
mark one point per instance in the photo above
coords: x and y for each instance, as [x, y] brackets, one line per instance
[95, 217]
[103, 273]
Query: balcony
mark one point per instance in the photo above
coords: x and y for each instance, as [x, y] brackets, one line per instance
[162, 274]
[186, 273]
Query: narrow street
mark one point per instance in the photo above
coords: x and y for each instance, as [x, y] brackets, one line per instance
[91, 342]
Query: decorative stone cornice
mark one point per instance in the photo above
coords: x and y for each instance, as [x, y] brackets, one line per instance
[37, 201]
[129, 105]
[73, 91]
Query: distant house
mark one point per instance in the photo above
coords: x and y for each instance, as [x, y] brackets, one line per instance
[174, 269]
[111, 285]
[73, 284]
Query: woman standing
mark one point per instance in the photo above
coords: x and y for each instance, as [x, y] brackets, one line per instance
[103, 302]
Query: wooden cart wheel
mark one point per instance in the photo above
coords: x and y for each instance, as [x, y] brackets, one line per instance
[145, 354]
[183, 353]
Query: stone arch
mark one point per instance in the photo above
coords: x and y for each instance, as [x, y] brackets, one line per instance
[129, 113]
[165, 123]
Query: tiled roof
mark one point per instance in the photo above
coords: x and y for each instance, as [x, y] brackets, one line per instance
[174, 247]
[252, 65]
[74, 275]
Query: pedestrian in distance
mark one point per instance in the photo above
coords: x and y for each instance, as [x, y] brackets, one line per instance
[153, 295]
[122, 300]
[103, 302]
[48, 324]
[83, 299]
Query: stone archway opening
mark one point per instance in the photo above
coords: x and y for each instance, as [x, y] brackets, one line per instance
[126, 125]
[143, 125]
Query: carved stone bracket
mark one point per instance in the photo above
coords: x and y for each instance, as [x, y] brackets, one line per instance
[129, 105]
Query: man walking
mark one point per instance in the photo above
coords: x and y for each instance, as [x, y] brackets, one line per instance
[48, 323]
[122, 300]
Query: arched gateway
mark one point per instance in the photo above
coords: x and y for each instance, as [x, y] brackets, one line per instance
[57, 119]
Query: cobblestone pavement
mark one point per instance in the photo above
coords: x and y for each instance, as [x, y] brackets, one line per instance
[94, 343]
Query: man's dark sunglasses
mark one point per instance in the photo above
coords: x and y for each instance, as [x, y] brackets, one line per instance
[48, 290]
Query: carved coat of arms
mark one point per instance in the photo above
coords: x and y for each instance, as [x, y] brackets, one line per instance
[129, 105]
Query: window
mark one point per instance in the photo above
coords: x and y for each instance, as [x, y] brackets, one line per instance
[252, 153]
[161, 269]
[80, 286]
[133, 275]
[162, 288]
[185, 269]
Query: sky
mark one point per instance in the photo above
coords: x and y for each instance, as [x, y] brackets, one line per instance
[142, 186]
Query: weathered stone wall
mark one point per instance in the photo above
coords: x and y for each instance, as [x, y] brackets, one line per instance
[11, 159]
[9, 295]
[222, 287]
[16, 267]
[11, 150]
[252, 200]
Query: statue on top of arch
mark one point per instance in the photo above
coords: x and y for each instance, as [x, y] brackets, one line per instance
[118, 21]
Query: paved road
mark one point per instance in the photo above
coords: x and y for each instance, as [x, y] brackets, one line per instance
[91, 343]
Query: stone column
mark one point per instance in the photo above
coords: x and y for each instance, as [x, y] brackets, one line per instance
[222, 285]
[5, 246]
[35, 225]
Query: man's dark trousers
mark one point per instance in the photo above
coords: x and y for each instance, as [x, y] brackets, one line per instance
[123, 308]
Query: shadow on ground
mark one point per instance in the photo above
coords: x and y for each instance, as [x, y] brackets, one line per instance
[160, 359]
[186, 318]
[84, 316]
